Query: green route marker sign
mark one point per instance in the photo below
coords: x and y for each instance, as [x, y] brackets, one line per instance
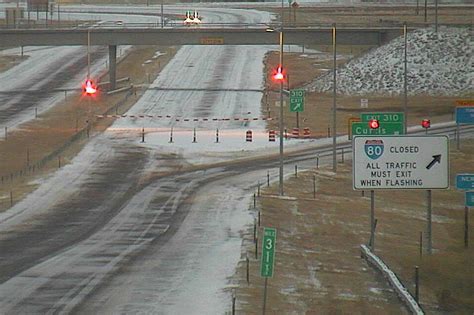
[296, 100]
[395, 117]
[386, 128]
[268, 252]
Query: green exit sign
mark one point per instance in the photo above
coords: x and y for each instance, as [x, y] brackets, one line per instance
[395, 117]
[385, 129]
[296, 100]
[268, 252]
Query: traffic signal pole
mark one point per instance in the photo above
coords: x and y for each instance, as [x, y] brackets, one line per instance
[88, 53]
[112, 66]
[281, 115]
[405, 73]
[334, 160]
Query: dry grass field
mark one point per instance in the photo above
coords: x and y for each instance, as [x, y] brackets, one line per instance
[376, 14]
[318, 267]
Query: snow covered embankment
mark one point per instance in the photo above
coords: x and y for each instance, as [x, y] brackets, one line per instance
[438, 64]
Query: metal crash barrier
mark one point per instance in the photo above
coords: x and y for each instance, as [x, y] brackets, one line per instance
[392, 278]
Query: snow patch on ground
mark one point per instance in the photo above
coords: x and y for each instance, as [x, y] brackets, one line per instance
[437, 64]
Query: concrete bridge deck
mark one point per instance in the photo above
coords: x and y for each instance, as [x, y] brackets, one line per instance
[197, 36]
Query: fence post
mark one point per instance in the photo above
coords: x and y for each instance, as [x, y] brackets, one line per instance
[233, 303]
[256, 248]
[255, 230]
[314, 186]
[466, 227]
[248, 268]
[417, 287]
[421, 245]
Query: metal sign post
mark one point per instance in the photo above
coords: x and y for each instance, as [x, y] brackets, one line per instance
[334, 134]
[466, 221]
[429, 220]
[372, 220]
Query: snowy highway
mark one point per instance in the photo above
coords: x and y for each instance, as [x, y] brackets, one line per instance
[130, 227]
[151, 227]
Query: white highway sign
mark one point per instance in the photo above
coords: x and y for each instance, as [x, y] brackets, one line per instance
[400, 162]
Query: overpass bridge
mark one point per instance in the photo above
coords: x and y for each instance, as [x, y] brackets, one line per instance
[150, 34]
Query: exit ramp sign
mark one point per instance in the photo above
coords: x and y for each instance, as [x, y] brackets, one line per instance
[400, 162]
[390, 117]
[297, 100]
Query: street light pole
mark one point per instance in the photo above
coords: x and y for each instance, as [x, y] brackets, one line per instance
[334, 160]
[405, 83]
[281, 116]
[88, 53]
[162, 21]
[281, 105]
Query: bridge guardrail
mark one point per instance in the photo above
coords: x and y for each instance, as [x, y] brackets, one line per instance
[392, 278]
[67, 25]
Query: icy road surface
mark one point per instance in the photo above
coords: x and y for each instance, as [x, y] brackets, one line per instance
[133, 228]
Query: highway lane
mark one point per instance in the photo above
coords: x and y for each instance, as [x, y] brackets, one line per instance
[92, 217]
[128, 228]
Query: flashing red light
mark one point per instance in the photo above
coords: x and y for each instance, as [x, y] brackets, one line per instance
[374, 124]
[278, 75]
[89, 87]
[426, 123]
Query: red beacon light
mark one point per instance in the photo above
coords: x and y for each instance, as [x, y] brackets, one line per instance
[89, 87]
[278, 75]
[426, 123]
[374, 124]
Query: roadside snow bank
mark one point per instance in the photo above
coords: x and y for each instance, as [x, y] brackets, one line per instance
[438, 64]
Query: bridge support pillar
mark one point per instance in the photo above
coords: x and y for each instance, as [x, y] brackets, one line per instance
[112, 66]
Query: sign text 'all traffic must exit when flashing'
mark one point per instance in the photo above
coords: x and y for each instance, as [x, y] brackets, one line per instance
[400, 162]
